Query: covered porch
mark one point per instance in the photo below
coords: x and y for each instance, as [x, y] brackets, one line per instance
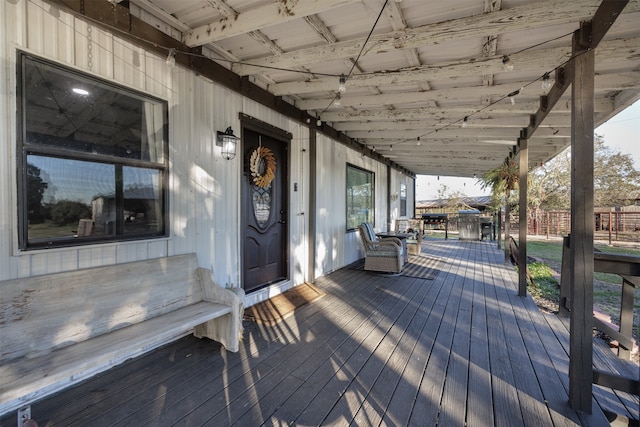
[460, 349]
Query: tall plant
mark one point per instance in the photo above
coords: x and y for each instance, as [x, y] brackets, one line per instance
[503, 180]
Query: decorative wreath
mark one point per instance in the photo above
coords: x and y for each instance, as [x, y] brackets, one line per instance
[261, 158]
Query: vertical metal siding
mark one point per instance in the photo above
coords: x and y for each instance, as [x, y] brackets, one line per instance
[204, 189]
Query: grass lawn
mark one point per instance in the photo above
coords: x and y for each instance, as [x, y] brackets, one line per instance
[606, 287]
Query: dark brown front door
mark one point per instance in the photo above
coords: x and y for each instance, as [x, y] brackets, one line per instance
[264, 210]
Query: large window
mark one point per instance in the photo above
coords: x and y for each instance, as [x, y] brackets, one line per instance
[92, 159]
[360, 191]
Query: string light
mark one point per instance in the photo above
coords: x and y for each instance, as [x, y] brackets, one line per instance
[507, 65]
[171, 58]
[336, 101]
[546, 82]
[465, 121]
[418, 141]
[342, 85]
[513, 94]
[391, 148]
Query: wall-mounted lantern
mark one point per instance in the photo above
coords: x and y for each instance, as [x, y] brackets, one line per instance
[229, 142]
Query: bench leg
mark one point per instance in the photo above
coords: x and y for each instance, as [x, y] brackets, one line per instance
[223, 329]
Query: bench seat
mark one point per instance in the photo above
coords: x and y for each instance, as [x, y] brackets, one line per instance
[26, 380]
[60, 329]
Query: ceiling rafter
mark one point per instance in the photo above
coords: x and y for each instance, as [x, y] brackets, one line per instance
[604, 82]
[490, 46]
[541, 59]
[519, 18]
[271, 13]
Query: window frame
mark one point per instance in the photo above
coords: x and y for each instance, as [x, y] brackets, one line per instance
[371, 209]
[403, 199]
[24, 149]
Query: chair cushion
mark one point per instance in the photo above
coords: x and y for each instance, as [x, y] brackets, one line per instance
[370, 231]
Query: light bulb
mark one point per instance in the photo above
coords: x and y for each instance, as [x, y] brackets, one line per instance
[319, 122]
[465, 122]
[547, 83]
[171, 58]
[342, 85]
[418, 141]
[513, 100]
[391, 148]
[336, 101]
[507, 65]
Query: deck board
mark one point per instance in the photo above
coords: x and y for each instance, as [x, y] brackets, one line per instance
[461, 349]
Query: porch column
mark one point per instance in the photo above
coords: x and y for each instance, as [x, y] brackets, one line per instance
[390, 226]
[523, 145]
[311, 249]
[581, 240]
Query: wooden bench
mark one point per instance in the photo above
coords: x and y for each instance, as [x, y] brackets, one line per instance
[59, 329]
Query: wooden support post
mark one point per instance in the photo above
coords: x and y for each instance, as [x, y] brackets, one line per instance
[610, 223]
[499, 222]
[564, 306]
[523, 145]
[548, 225]
[581, 271]
[626, 316]
[311, 217]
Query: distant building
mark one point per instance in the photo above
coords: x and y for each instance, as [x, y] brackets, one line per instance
[480, 203]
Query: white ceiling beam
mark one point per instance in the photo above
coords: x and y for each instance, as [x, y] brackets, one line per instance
[542, 60]
[271, 13]
[488, 134]
[468, 95]
[519, 18]
[516, 122]
[602, 105]
[490, 46]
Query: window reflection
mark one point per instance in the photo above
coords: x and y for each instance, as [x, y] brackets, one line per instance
[92, 156]
[142, 200]
[61, 193]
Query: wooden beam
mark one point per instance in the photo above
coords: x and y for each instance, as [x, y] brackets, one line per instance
[519, 18]
[270, 13]
[482, 133]
[616, 382]
[466, 93]
[522, 226]
[563, 107]
[581, 272]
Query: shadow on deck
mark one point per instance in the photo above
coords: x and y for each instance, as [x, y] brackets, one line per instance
[461, 349]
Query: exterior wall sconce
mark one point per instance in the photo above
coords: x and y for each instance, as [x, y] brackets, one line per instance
[228, 141]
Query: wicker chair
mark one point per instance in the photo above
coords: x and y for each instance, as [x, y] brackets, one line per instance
[381, 254]
[414, 227]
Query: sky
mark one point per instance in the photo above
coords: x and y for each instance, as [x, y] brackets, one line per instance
[621, 132]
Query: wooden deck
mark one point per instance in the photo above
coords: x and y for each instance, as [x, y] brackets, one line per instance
[462, 349]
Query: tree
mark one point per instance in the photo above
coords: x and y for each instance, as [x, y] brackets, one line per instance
[616, 181]
[69, 212]
[454, 200]
[502, 181]
[35, 192]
